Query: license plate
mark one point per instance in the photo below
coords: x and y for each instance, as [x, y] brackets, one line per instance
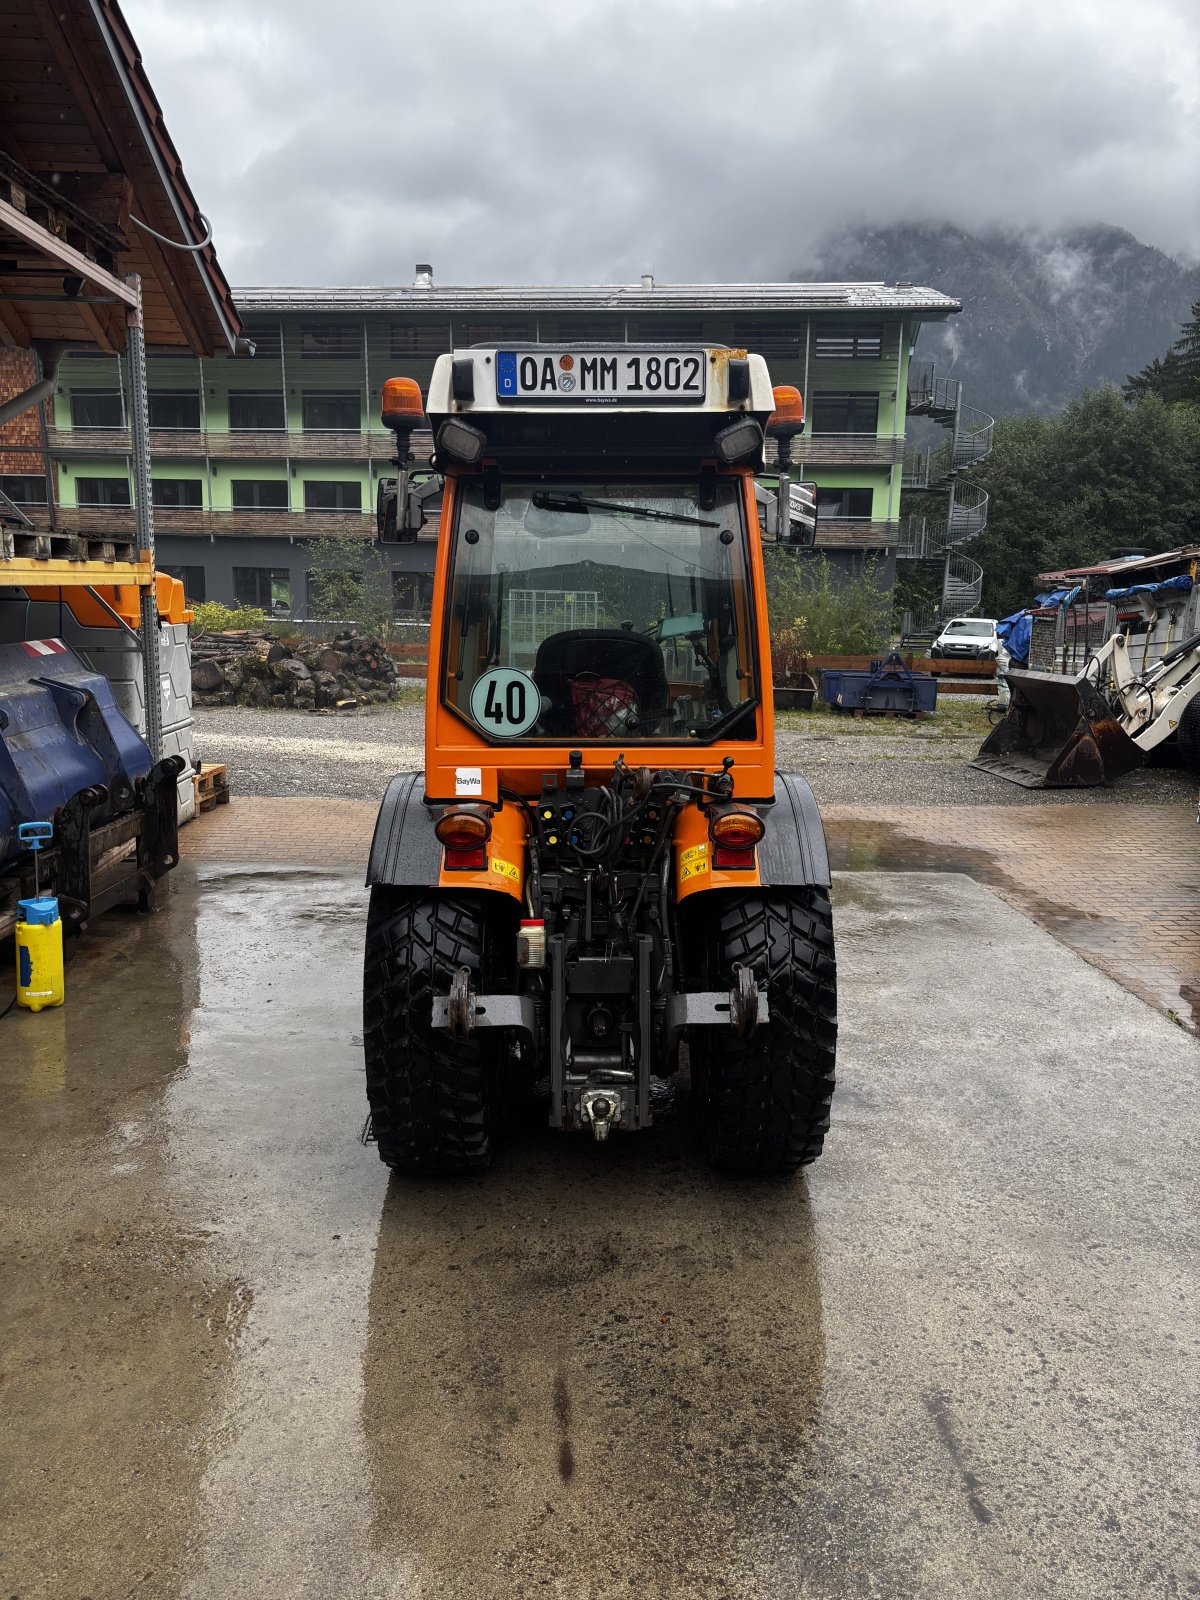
[596, 376]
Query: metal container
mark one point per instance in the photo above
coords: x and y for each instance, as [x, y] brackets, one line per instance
[887, 686]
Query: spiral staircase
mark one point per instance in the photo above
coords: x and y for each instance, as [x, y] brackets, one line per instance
[936, 471]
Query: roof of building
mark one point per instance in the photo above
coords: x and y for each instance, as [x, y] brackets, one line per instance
[1184, 556]
[746, 298]
[84, 146]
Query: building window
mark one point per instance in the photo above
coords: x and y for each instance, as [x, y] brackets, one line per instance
[845, 413]
[412, 595]
[23, 489]
[267, 341]
[102, 491]
[331, 341]
[497, 333]
[177, 493]
[171, 409]
[269, 588]
[192, 579]
[256, 410]
[845, 502]
[584, 330]
[320, 496]
[418, 339]
[670, 330]
[762, 337]
[259, 494]
[332, 413]
[96, 408]
[853, 343]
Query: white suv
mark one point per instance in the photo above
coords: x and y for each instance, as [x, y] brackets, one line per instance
[968, 639]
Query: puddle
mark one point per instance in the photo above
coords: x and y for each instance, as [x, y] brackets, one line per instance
[1121, 946]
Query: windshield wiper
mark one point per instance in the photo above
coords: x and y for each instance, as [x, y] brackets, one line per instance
[546, 501]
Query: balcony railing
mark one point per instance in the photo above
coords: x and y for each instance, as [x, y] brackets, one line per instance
[856, 533]
[117, 522]
[841, 450]
[931, 396]
[256, 444]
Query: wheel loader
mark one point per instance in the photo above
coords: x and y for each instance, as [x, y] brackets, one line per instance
[1063, 732]
[599, 864]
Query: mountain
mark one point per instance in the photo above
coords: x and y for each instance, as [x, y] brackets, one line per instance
[1044, 315]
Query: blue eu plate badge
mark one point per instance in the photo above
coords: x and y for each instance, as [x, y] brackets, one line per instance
[506, 373]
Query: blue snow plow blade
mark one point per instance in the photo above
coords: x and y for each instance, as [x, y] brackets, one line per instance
[61, 733]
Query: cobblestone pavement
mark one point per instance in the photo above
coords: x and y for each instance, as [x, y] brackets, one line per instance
[1119, 885]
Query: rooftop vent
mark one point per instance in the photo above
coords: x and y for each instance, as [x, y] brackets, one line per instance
[422, 275]
[647, 280]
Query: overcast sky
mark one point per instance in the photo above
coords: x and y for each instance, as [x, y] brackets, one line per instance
[576, 141]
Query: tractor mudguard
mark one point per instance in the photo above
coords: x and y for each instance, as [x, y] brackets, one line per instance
[792, 854]
[404, 851]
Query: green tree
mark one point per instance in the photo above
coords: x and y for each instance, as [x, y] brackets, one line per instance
[1174, 377]
[349, 582]
[1068, 490]
[826, 611]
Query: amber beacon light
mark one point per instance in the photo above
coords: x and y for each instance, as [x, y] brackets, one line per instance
[788, 415]
[401, 406]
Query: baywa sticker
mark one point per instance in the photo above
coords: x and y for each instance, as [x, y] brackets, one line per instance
[693, 861]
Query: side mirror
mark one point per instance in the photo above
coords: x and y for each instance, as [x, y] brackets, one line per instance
[802, 514]
[799, 530]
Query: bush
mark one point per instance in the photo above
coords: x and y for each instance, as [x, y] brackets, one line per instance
[817, 610]
[212, 616]
[349, 582]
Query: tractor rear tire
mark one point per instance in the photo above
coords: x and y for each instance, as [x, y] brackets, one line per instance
[762, 1102]
[1188, 735]
[435, 1100]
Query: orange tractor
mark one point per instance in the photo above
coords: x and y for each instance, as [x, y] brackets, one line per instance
[599, 862]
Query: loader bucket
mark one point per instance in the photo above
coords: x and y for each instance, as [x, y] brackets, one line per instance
[1059, 733]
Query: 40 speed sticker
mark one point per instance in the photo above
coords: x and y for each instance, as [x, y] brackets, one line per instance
[505, 702]
[693, 861]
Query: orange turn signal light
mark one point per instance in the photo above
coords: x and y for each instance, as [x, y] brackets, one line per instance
[463, 830]
[402, 406]
[737, 830]
[789, 407]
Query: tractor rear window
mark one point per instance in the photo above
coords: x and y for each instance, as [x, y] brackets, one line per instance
[601, 612]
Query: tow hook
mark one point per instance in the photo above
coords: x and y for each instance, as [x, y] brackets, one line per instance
[602, 1108]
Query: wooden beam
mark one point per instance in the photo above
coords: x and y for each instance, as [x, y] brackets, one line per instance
[164, 279]
[100, 324]
[62, 35]
[12, 327]
[48, 244]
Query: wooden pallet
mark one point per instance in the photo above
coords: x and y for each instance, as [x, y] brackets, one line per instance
[20, 544]
[211, 785]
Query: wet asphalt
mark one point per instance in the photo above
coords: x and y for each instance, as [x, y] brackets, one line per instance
[959, 1358]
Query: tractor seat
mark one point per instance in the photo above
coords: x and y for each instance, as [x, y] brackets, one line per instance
[606, 653]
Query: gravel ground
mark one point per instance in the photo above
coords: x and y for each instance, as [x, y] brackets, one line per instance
[848, 761]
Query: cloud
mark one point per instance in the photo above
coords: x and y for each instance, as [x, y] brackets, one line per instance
[535, 140]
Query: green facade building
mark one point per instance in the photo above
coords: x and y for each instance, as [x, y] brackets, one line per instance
[252, 456]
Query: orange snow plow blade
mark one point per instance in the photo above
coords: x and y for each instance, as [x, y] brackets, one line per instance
[1058, 733]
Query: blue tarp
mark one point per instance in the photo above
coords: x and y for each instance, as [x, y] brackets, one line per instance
[1014, 631]
[1181, 585]
[1059, 597]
